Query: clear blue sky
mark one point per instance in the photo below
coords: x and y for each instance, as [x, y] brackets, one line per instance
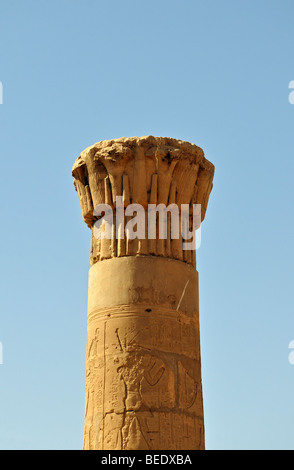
[215, 73]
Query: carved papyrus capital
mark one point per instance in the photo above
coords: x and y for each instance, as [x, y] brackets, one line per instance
[143, 170]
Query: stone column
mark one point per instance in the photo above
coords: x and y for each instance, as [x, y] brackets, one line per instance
[143, 368]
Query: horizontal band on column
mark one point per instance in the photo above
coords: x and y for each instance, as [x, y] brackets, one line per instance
[137, 284]
[138, 310]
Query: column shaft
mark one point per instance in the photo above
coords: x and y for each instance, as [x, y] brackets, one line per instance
[143, 388]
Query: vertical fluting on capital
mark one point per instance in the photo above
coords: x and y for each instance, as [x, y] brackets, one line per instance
[143, 386]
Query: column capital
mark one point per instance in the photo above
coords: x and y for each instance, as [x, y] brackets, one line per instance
[143, 170]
